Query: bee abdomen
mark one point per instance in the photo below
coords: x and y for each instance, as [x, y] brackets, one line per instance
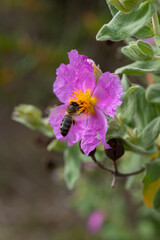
[66, 125]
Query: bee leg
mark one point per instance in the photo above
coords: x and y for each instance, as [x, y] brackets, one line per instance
[74, 122]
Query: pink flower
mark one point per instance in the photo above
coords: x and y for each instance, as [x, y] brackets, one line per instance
[95, 221]
[148, 40]
[95, 94]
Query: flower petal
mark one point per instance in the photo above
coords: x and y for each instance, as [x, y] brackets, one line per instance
[75, 132]
[76, 75]
[86, 81]
[65, 82]
[96, 123]
[79, 62]
[108, 92]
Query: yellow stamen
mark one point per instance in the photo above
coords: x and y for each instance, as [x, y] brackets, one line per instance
[85, 101]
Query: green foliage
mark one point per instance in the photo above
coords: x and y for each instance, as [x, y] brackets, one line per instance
[150, 133]
[153, 93]
[72, 165]
[156, 200]
[31, 117]
[112, 9]
[151, 190]
[137, 149]
[56, 145]
[152, 172]
[124, 25]
[138, 68]
[145, 111]
[138, 51]
[126, 5]
[144, 32]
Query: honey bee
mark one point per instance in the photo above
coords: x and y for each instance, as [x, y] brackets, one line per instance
[68, 119]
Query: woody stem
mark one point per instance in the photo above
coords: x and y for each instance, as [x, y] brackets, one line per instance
[116, 172]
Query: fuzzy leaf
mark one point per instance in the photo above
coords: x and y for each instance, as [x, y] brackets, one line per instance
[144, 32]
[137, 149]
[57, 145]
[124, 25]
[156, 200]
[145, 47]
[31, 117]
[145, 111]
[150, 133]
[72, 165]
[138, 68]
[151, 182]
[112, 9]
[153, 93]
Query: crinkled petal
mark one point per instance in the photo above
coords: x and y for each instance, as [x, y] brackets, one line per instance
[65, 82]
[96, 123]
[85, 81]
[75, 132]
[76, 75]
[79, 62]
[108, 92]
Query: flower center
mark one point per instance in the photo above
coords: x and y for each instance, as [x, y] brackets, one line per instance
[85, 101]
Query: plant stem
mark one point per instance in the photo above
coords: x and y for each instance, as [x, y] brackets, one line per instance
[115, 172]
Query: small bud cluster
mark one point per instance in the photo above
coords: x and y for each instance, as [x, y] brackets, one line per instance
[126, 5]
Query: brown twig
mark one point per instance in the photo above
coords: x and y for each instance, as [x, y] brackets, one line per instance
[115, 172]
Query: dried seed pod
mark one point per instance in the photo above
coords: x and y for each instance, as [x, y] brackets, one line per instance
[116, 150]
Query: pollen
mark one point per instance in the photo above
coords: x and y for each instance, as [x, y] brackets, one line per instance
[85, 101]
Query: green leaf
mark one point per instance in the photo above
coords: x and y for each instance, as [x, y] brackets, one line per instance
[132, 89]
[112, 9]
[125, 83]
[128, 52]
[119, 5]
[145, 111]
[124, 25]
[150, 133]
[156, 200]
[45, 127]
[138, 51]
[72, 165]
[151, 185]
[138, 68]
[135, 148]
[144, 32]
[153, 93]
[152, 172]
[31, 117]
[28, 115]
[145, 47]
[127, 108]
[57, 145]
[157, 40]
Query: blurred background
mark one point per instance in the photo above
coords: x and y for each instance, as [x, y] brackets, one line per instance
[35, 36]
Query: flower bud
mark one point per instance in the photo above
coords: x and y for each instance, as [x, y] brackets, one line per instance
[116, 150]
[28, 115]
[97, 72]
[139, 51]
[126, 5]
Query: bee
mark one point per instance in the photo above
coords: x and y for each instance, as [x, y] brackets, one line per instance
[68, 119]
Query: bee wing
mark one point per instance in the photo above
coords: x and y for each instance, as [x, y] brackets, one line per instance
[82, 119]
[58, 113]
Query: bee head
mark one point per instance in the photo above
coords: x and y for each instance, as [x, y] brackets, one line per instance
[73, 107]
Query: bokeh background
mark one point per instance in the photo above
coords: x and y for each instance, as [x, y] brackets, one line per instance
[35, 36]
